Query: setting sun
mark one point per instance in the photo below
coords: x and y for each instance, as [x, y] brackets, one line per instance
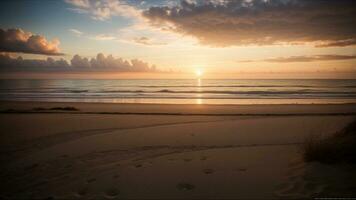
[198, 72]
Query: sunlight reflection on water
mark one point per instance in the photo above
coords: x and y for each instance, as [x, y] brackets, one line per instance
[194, 91]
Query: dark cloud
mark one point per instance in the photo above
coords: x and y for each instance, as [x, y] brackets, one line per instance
[19, 41]
[260, 22]
[305, 58]
[77, 64]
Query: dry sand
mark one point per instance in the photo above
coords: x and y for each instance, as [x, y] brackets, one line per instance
[144, 151]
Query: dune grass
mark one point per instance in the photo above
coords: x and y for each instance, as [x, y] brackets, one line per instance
[339, 148]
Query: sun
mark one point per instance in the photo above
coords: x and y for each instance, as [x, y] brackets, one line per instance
[198, 72]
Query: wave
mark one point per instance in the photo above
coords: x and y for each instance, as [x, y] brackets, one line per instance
[181, 86]
[171, 97]
[78, 91]
[123, 91]
[258, 92]
[225, 86]
[170, 90]
[254, 92]
[245, 86]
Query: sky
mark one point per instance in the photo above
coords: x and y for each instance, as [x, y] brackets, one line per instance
[175, 39]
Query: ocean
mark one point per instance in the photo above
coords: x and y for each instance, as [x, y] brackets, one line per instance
[194, 91]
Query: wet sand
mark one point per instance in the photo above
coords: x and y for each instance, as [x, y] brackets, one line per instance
[151, 151]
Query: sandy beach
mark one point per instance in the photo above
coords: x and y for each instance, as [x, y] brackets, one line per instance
[157, 151]
[178, 99]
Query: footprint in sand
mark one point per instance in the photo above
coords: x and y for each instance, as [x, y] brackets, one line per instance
[208, 171]
[242, 169]
[112, 192]
[91, 180]
[32, 167]
[68, 166]
[138, 165]
[82, 191]
[203, 158]
[185, 186]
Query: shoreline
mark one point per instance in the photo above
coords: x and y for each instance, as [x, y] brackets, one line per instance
[179, 104]
[178, 114]
[194, 101]
[29, 107]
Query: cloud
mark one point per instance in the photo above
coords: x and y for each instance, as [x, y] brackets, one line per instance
[80, 3]
[341, 43]
[19, 41]
[104, 9]
[260, 22]
[100, 37]
[132, 33]
[143, 40]
[76, 32]
[305, 58]
[100, 63]
[147, 41]
[78, 61]
[103, 37]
